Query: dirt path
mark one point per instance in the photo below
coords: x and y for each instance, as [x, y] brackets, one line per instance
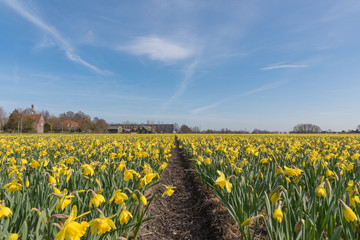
[191, 212]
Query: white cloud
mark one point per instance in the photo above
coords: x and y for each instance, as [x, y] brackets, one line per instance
[158, 49]
[283, 66]
[60, 40]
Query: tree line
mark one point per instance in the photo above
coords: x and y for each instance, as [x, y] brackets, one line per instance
[19, 121]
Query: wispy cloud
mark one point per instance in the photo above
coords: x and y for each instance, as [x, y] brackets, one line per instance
[283, 66]
[247, 93]
[159, 49]
[188, 73]
[52, 31]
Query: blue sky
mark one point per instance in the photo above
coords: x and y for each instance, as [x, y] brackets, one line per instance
[213, 64]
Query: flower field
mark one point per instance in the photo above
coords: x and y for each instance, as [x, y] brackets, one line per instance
[101, 186]
[292, 186]
[79, 186]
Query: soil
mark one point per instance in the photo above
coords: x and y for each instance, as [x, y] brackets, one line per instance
[192, 212]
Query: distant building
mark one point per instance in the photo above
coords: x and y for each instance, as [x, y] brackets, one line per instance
[38, 125]
[141, 128]
[70, 125]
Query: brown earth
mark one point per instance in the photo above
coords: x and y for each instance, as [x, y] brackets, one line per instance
[192, 212]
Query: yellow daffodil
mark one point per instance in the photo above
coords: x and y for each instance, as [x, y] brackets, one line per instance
[274, 196]
[320, 190]
[168, 190]
[102, 225]
[72, 230]
[118, 197]
[87, 169]
[5, 211]
[278, 215]
[13, 186]
[223, 182]
[292, 171]
[246, 222]
[64, 200]
[125, 215]
[349, 214]
[96, 199]
[129, 174]
[13, 236]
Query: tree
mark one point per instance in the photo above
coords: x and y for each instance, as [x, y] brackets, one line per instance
[185, 129]
[27, 124]
[100, 125]
[3, 118]
[306, 128]
[46, 115]
[358, 128]
[13, 124]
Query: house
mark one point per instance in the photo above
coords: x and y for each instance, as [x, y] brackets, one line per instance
[70, 125]
[38, 124]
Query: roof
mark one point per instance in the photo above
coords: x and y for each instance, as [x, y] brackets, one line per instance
[36, 117]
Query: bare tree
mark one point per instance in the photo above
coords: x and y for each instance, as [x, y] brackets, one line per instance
[100, 125]
[307, 128]
[3, 118]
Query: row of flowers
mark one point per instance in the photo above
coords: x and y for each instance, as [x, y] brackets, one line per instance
[47, 179]
[311, 181]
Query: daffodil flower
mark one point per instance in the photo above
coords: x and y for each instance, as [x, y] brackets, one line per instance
[118, 197]
[102, 225]
[278, 215]
[13, 186]
[223, 182]
[168, 190]
[72, 229]
[349, 214]
[5, 211]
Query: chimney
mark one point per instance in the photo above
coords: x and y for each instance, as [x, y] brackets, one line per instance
[32, 106]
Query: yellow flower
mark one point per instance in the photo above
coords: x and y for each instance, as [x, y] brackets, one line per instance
[13, 236]
[128, 174]
[353, 199]
[274, 196]
[5, 211]
[246, 222]
[13, 186]
[292, 172]
[223, 182]
[64, 200]
[87, 169]
[143, 200]
[102, 225]
[349, 215]
[163, 166]
[320, 191]
[125, 215]
[168, 190]
[34, 164]
[51, 180]
[72, 230]
[96, 200]
[278, 215]
[118, 197]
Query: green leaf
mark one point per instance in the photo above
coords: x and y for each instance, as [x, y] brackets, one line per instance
[337, 233]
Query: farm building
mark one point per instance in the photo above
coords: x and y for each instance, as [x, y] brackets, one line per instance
[141, 128]
[38, 124]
